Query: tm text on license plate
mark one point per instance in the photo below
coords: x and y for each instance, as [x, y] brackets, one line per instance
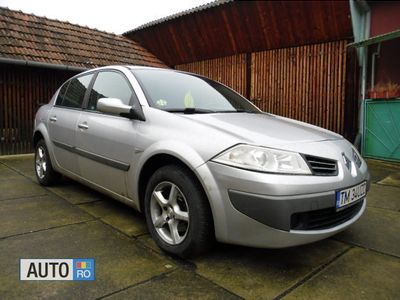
[350, 195]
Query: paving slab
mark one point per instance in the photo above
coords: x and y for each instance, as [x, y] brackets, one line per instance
[37, 213]
[71, 190]
[392, 180]
[381, 169]
[75, 192]
[382, 196]
[21, 163]
[136, 268]
[377, 229]
[29, 173]
[359, 274]
[19, 187]
[176, 285]
[118, 215]
[6, 173]
[148, 241]
[261, 273]
[119, 261]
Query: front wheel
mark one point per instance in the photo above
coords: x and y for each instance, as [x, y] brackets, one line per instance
[44, 171]
[177, 212]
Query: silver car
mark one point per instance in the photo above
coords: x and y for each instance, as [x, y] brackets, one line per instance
[200, 161]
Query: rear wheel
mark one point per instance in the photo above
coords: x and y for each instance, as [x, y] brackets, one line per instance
[177, 212]
[43, 168]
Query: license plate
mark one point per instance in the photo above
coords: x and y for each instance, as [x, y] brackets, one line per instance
[350, 195]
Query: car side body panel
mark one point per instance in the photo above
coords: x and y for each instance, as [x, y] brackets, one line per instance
[105, 157]
[62, 124]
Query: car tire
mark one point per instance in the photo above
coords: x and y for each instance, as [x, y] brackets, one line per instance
[44, 171]
[178, 213]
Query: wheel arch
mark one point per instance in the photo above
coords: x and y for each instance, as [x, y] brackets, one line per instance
[159, 160]
[155, 162]
[37, 136]
[40, 133]
[202, 235]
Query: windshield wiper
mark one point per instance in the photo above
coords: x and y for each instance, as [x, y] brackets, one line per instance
[238, 111]
[190, 110]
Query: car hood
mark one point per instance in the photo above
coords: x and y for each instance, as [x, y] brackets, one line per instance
[263, 129]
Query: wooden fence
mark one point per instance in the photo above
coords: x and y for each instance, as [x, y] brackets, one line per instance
[22, 91]
[312, 83]
[230, 70]
[306, 83]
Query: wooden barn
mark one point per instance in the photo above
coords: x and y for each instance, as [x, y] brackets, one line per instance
[288, 57]
[36, 55]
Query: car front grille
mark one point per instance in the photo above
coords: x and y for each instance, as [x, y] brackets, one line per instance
[323, 218]
[322, 166]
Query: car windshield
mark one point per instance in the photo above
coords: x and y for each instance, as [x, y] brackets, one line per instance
[181, 92]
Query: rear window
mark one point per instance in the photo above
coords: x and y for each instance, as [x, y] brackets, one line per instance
[73, 93]
[61, 94]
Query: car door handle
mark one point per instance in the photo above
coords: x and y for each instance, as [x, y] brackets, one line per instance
[83, 126]
[53, 119]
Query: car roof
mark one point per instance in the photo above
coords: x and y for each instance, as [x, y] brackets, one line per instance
[133, 67]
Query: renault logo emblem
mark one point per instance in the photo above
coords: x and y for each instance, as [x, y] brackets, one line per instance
[346, 161]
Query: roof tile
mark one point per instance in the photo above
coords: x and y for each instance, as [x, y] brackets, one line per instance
[29, 37]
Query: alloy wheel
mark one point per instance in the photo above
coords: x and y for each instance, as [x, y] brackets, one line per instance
[41, 162]
[169, 213]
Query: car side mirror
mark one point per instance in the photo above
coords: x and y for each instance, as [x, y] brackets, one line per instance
[117, 107]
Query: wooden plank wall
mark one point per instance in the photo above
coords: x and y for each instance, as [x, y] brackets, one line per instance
[306, 83]
[230, 70]
[22, 90]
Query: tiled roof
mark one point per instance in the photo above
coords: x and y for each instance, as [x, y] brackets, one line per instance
[31, 38]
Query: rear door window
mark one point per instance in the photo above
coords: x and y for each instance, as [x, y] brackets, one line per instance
[75, 92]
[110, 84]
[61, 94]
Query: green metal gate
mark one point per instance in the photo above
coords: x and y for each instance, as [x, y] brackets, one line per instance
[382, 129]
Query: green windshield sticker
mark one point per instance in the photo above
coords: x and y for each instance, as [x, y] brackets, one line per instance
[162, 102]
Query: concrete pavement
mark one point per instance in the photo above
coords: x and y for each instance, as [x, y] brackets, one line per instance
[70, 220]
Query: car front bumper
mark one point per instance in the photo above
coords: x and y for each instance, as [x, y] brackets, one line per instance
[256, 209]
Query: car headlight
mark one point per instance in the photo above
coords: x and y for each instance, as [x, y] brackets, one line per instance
[264, 160]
